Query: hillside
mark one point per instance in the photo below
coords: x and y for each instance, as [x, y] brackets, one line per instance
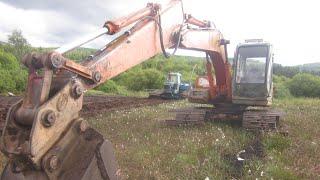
[2, 43]
[311, 67]
[290, 71]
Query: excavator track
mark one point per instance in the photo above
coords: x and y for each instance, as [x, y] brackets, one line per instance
[188, 116]
[252, 120]
[261, 120]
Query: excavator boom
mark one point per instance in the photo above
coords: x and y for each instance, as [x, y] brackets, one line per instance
[44, 137]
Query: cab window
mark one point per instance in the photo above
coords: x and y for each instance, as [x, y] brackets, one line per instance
[251, 64]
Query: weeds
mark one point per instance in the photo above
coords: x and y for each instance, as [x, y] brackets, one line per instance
[147, 150]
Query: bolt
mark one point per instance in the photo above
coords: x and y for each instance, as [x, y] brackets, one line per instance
[56, 61]
[84, 125]
[96, 76]
[77, 90]
[49, 119]
[53, 163]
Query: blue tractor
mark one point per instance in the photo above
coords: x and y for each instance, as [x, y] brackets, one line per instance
[173, 88]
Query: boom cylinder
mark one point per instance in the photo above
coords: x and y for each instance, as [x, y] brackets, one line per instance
[116, 25]
[69, 47]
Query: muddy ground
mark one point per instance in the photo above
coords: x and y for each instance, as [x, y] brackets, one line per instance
[93, 105]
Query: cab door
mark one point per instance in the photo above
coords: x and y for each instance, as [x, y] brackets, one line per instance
[252, 81]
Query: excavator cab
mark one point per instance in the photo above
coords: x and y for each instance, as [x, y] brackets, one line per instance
[252, 74]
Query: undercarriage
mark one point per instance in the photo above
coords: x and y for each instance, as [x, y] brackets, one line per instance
[251, 118]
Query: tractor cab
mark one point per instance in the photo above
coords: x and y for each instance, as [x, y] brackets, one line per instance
[252, 74]
[173, 88]
[172, 83]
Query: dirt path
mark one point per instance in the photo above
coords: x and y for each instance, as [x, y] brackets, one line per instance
[93, 105]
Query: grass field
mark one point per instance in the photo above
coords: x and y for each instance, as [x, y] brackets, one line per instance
[145, 149]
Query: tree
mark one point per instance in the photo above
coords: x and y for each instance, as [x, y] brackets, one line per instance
[19, 44]
[139, 79]
[109, 87]
[305, 85]
[12, 77]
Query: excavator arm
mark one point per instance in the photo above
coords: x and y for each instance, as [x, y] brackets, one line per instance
[44, 137]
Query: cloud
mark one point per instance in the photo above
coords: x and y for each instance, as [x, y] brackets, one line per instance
[93, 11]
[42, 27]
[291, 27]
[53, 23]
[86, 10]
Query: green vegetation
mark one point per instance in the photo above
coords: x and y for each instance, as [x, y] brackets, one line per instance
[110, 86]
[300, 85]
[12, 76]
[298, 81]
[80, 54]
[17, 44]
[148, 75]
[305, 85]
[146, 149]
[290, 71]
[312, 68]
[140, 79]
[151, 74]
[281, 89]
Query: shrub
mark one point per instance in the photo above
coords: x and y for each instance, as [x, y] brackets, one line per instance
[281, 89]
[141, 79]
[12, 77]
[6, 81]
[109, 87]
[305, 85]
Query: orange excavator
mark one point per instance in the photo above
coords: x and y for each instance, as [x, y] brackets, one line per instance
[246, 97]
[44, 137]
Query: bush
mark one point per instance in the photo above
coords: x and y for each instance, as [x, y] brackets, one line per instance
[151, 73]
[140, 79]
[109, 87]
[12, 77]
[305, 85]
[6, 82]
[145, 79]
[281, 89]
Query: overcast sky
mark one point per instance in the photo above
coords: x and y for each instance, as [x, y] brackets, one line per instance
[292, 26]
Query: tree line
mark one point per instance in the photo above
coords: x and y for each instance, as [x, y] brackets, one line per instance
[288, 81]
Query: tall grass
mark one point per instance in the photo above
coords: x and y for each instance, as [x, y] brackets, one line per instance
[148, 150]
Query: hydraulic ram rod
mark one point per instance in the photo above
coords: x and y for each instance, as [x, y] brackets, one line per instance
[111, 27]
[69, 47]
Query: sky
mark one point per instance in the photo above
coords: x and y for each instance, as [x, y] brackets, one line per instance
[292, 26]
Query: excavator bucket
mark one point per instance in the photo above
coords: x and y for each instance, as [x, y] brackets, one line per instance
[82, 153]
